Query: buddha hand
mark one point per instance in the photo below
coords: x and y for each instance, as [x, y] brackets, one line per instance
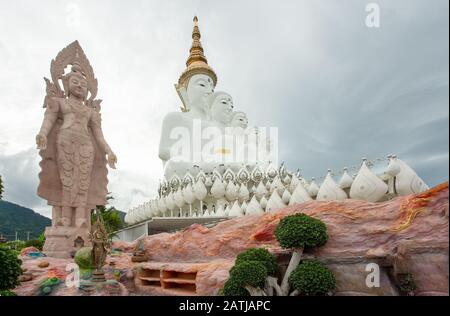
[41, 141]
[112, 160]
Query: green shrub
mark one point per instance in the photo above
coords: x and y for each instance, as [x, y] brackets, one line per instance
[16, 245]
[312, 278]
[7, 293]
[301, 231]
[48, 285]
[10, 269]
[406, 283]
[83, 257]
[252, 273]
[36, 243]
[233, 288]
[261, 255]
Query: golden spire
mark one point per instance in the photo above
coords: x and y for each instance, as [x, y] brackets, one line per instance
[197, 62]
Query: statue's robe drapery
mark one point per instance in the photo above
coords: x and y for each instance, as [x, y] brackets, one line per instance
[50, 185]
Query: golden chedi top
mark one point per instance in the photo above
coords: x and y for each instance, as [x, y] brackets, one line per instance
[197, 62]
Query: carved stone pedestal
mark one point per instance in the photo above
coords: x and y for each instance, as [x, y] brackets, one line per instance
[63, 242]
[104, 288]
[98, 276]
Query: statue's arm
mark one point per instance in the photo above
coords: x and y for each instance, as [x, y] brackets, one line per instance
[96, 128]
[50, 117]
[165, 143]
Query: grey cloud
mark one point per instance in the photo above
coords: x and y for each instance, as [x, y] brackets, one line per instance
[20, 175]
[336, 90]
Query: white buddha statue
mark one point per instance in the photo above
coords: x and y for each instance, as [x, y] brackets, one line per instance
[210, 154]
[207, 133]
[195, 86]
[221, 109]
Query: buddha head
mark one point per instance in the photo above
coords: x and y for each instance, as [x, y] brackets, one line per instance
[75, 83]
[198, 80]
[199, 89]
[221, 107]
[239, 119]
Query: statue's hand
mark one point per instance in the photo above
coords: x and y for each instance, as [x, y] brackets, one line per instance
[41, 141]
[112, 160]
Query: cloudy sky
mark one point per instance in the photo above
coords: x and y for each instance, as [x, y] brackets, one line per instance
[336, 89]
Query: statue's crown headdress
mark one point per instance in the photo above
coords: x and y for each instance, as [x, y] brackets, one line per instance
[72, 55]
[197, 62]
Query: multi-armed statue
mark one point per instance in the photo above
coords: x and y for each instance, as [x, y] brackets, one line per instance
[206, 175]
[73, 177]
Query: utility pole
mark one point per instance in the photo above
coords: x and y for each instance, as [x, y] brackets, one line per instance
[15, 244]
[28, 236]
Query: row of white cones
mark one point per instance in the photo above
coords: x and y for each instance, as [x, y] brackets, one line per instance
[229, 198]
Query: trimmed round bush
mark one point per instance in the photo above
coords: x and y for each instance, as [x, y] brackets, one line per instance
[83, 257]
[233, 288]
[301, 231]
[10, 269]
[252, 273]
[261, 255]
[312, 278]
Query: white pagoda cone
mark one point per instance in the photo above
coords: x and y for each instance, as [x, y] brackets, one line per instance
[236, 210]
[330, 191]
[243, 193]
[367, 186]
[220, 212]
[300, 195]
[346, 181]
[263, 203]
[254, 208]
[313, 188]
[274, 202]
[218, 189]
[244, 207]
[232, 191]
[286, 197]
[260, 190]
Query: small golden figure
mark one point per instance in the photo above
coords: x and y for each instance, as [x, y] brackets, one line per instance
[100, 248]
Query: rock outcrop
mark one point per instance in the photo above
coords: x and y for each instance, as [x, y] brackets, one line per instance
[407, 235]
[404, 241]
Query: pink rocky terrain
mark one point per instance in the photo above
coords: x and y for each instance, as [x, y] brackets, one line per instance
[406, 235]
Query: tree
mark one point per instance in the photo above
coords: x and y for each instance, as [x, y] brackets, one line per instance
[252, 268]
[255, 269]
[111, 217]
[259, 254]
[297, 232]
[244, 277]
[1, 188]
[312, 278]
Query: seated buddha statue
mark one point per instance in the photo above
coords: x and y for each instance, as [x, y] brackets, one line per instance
[206, 133]
[195, 86]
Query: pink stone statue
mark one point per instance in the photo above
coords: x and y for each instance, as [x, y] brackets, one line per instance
[73, 177]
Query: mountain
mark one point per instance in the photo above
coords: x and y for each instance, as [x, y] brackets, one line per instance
[14, 218]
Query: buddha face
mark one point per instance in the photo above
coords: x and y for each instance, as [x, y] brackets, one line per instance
[239, 120]
[222, 107]
[200, 87]
[78, 86]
